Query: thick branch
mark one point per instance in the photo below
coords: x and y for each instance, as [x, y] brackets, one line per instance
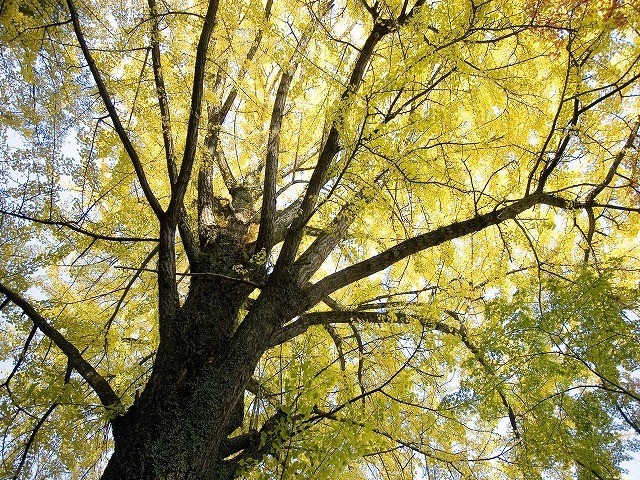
[191, 141]
[269, 195]
[239, 443]
[268, 210]
[188, 236]
[314, 256]
[283, 221]
[102, 388]
[163, 100]
[186, 233]
[331, 147]
[113, 114]
[329, 150]
[437, 237]
[414, 245]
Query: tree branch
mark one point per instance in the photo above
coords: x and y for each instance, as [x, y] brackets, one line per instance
[113, 114]
[329, 150]
[416, 244]
[36, 429]
[462, 333]
[179, 189]
[614, 166]
[331, 147]
[268, 209]
[137, 273]
[314, 256]
[186, 233]
[163, 100]
[97, 382]
[23, 353]
[307, 320]
[73, 226]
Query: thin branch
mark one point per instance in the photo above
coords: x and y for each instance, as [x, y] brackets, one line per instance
[462, 333]
[349, 317]
[23, 354]
[337, 341]
[614, 166]
[554, 123]
[145, 262]
[562, 146]
[300, 326]
[627, 418]
[186, 233]
[194, 274]
[73, 226]
[36, 429]
[96, 381]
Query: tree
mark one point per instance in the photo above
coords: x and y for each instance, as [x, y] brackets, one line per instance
[324, 239]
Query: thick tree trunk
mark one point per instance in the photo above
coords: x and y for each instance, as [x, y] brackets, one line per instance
[176, 434]
[180, 419]
[194, 397]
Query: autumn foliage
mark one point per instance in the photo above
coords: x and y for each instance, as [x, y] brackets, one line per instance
[319, 239]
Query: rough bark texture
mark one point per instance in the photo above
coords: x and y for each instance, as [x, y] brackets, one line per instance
[194, 397]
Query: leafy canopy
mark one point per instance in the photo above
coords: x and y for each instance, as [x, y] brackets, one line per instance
[507, 350]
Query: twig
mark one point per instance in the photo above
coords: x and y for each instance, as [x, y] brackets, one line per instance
[194, 274]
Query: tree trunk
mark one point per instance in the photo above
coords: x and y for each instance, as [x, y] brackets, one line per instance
[176, 431]
[194, 397]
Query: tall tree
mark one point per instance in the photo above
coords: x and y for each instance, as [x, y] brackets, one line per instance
[321, 239]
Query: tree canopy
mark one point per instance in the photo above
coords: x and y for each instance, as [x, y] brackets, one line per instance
[319, 239]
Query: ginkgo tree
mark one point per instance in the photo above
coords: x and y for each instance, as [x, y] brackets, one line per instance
[319, 239]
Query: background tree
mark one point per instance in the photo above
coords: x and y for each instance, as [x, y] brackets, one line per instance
[319, 239]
